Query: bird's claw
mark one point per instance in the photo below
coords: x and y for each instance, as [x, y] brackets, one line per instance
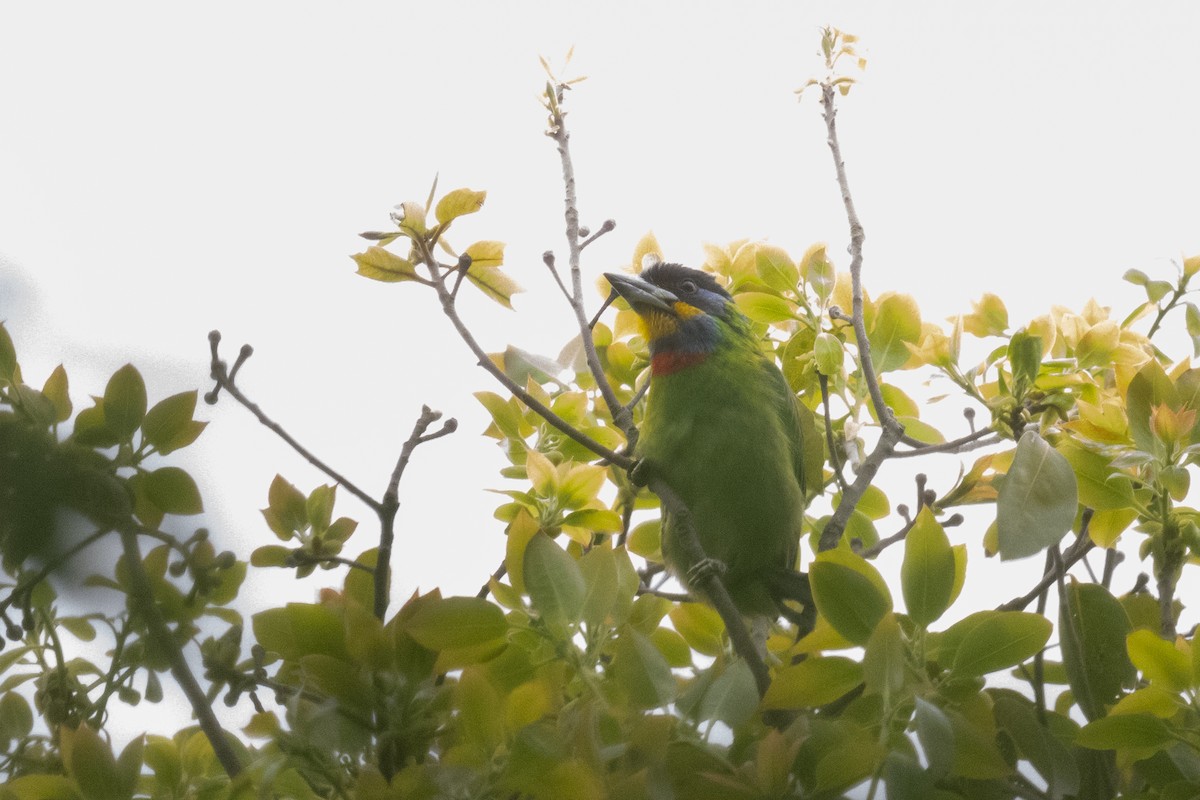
[699, 573]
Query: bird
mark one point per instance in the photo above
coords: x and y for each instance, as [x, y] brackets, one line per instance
[725, 431]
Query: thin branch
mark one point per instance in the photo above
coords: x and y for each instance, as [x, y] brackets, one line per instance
[391, 501]
[141, 594]
[451, 312]
[225, 380]
[27, 585]
[834, 457]
[497, 575]
[862, 481]
[972, 441]
[1078, 549]
[857, 235]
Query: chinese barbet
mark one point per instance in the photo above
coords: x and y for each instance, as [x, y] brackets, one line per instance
[725, 431]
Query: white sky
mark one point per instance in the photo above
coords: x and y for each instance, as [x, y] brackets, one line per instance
[165, 170]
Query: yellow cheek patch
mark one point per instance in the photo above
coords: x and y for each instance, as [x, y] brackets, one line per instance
[686, 311]
[656, 324]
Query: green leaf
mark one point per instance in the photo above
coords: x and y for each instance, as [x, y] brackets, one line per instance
[486, 254]
[1025, 358]
[16, 717]
[1123, 731]
[56, 391]
[174, 491]
[494, 283]
[641, 671]
[1036, 503]
[732, 697]
[1136, 277]
[554, 581]
[1191, 318]
[828, 354]
[813, 682]
[300, 629]
[700, 626]
[9, 371]
[599, 569]
[1101, 487]
[43, 787]
[849, 593]
[818, 272]
[124, 402]
[1159, 661]
[1157, 290]
[998, 639]
[89, 760]
[79, 627]
[776, 268]
[1037, 742]
[765, 308]
[885, 658]
[975, 753]
[897, 325]
[1092, 629]
[270, 555]
[936, 736]
[318, 507]
[457, 203]
[169, 425]
[456, 622]
[1150, 387]
[927, 574]
[384, 265]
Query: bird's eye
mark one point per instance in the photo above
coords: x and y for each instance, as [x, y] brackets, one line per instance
[688, 287]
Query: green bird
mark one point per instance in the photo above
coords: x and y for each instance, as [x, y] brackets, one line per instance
[727, 434]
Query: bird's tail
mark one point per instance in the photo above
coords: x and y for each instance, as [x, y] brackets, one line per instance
[790, 589]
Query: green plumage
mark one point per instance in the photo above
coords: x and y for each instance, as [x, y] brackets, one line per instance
[724, 430]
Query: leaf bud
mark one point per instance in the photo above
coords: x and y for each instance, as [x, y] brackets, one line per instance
[13, 632]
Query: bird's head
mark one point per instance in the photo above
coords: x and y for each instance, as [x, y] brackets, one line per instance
[684, 313]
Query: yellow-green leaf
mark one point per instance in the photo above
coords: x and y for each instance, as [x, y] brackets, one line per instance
[486, 254]
[384, 265]
[457, 203]
[927, 574]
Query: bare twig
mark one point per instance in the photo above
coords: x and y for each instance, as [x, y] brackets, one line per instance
[1078, 549]
[225, 380]
[391, 501]
[834, 457]
[497, 575]
[972, 441]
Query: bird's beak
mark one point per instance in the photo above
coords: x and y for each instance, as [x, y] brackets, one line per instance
[641, 294]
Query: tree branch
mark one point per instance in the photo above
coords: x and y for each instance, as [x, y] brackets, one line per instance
[141, 593]
[225, 380]
[1078, 549]
[862, 481]
[391, 501]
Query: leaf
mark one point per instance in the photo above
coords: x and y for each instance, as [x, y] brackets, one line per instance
[828, 354]
[9, 371]
[1036, 503]
[1149, 388]
[813, 682]
[1093, 626]
[1025, 358]
[1191, 318]
[599, 569]
[124, 402]
[776, 268]
[884, 658]
[701, 626]
[56, 391]
[998, 639]
[89, 760]
[1101, 487]
[486, 254]
[457, 203]
[765, 308]
[1125, 731]
[1160, 661]
[936, 736]
[733, 697]
[927, 574]
[989, 318]
[640, 670]
[384, 265]
[818, 272]
[300, 629]
[554, 581]
[494, 283]
[16, 717]
[456, 622]
[174, 491]
[897, 325]
[849, 593]
[168, 425]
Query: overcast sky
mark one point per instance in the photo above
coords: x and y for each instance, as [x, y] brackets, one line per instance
[169, 169]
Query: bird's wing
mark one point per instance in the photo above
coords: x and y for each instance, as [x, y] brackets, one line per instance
[808, 448]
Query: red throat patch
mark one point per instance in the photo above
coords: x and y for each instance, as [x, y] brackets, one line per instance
[673, 361]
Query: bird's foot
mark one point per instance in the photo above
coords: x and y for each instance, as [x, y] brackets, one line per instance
[641, 474]
[699, 573]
